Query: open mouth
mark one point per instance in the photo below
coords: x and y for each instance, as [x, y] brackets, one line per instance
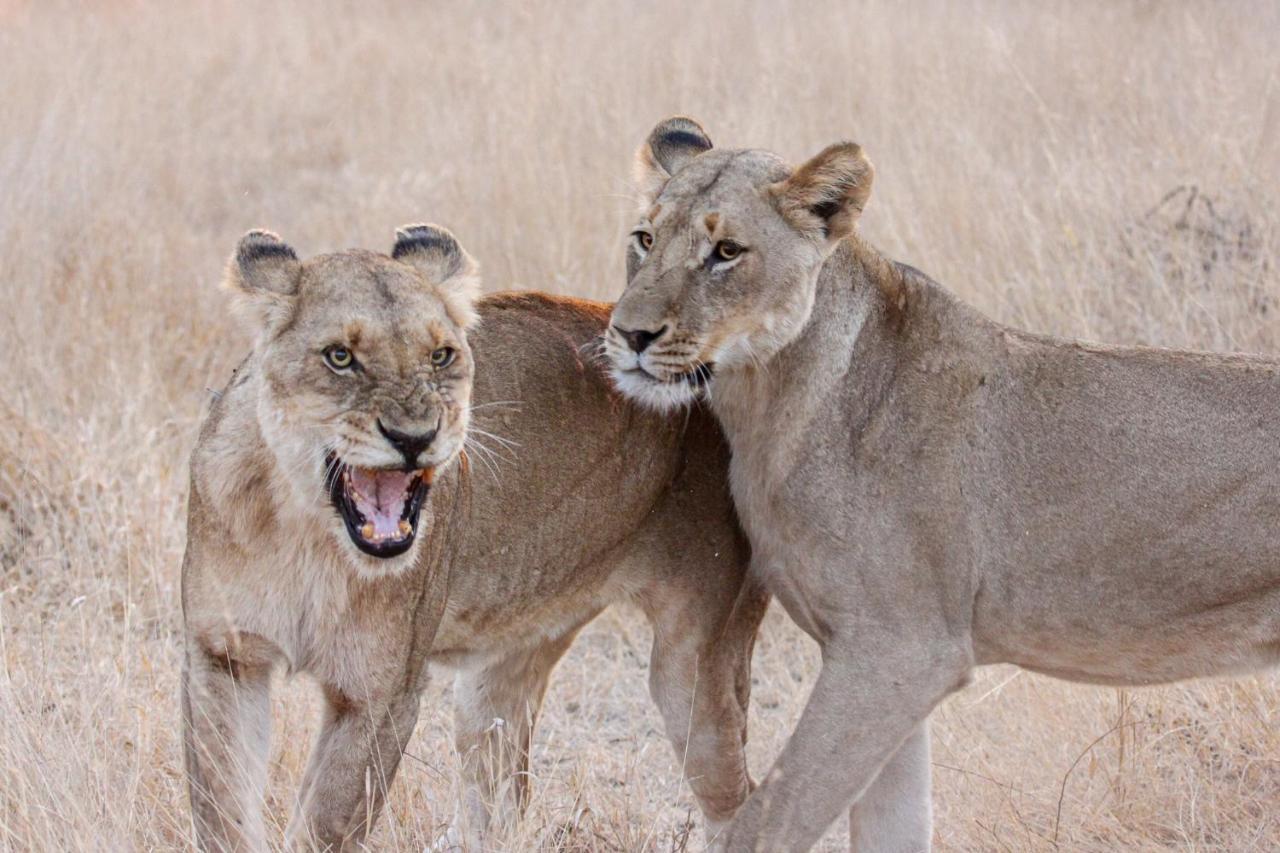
[379, 506]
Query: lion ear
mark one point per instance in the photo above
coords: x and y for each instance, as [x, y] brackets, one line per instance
[263, 279]
[453, 273]
[670, 146]
[828, 193]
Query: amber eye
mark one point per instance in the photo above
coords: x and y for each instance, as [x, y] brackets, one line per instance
[645, 239]
[339, 358]
[727, 250]
[442, 357]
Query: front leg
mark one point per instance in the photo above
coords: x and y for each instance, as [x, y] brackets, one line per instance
[226, 731]
[895, 815]
[351, 769]
[871, 696]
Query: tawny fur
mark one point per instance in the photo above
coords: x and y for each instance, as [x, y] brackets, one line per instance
[926, 490]
[270, 577]
[574, 499]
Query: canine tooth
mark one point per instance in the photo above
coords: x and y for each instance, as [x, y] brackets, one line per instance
[405, 528]
[367, 531]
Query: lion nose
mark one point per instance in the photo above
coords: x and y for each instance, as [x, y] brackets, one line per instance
[639, 339]
[410, 445]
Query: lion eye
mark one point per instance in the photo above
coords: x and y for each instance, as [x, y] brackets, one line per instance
[727, 250]
[442, 357]
[644, 239]
[339, 358]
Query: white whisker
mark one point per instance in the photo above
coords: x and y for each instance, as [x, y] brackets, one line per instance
[506, 443]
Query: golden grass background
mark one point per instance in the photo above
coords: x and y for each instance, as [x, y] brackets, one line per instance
[1109, 170]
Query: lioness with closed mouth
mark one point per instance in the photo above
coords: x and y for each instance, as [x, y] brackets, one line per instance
[926, 490]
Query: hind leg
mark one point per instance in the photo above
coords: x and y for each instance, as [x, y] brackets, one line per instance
[496, 706]
[700, 679]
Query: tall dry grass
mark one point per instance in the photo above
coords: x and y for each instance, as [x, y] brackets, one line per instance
[1110, 170]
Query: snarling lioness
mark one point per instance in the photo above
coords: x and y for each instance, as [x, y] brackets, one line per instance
[312, 546]
[926, 490]
[307, 515]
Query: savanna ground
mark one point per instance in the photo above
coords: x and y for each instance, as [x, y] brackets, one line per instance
[1106, 170]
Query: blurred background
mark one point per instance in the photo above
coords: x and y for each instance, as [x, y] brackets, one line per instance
[1105, 170]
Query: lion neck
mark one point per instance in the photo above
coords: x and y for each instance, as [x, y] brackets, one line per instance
[774, 412]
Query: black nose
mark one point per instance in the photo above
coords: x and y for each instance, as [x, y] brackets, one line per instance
[410, 445]
[639, 339]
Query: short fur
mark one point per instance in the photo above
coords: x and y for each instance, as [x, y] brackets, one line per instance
[579, 500]
[926, 490]
[270, 574]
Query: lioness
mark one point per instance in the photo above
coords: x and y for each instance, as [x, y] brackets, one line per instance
[308, 487]
[596, 501]
[926, 490]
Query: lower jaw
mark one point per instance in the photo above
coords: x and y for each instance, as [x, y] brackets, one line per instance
[384, 549]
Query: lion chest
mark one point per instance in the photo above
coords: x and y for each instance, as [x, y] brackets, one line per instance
[300, 600]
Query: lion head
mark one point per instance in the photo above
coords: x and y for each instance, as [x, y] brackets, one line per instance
[723, 265]
[363, 378]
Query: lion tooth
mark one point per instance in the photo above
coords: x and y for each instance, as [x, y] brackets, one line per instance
[405, 528]
[367, 531]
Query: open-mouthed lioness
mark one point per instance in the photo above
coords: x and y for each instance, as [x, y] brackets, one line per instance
[582, 499]
[306, 519]
[926, 490]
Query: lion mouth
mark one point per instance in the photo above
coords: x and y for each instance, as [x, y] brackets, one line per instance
[379, 506]
[698, 377]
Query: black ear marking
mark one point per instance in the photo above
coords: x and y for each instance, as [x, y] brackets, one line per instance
[428, 241]
[434, 251]
[264, 263]
[412, 238]
[676, 141]
[260, 245]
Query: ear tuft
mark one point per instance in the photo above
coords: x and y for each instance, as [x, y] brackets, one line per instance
[454, 274]
[263, 278]
[669, 148]
[828, 192]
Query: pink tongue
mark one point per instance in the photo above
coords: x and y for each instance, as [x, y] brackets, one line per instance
[380, 497]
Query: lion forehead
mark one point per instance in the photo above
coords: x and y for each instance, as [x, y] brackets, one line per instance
[368, 301]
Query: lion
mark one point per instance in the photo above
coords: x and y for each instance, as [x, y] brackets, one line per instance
[580, 500]
[926, 490]
[308, 488]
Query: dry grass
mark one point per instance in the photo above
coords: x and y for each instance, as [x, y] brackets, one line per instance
[1023, 156]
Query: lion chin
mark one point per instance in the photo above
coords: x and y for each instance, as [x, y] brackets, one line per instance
[663, 395]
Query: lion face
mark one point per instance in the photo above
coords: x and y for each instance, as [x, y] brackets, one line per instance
[365, 379]
[723, 264]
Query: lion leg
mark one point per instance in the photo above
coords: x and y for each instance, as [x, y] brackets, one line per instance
[226, 732]
[700, 679]
[896, 812]
[351, 769]
[496, 707]
[862, 709]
